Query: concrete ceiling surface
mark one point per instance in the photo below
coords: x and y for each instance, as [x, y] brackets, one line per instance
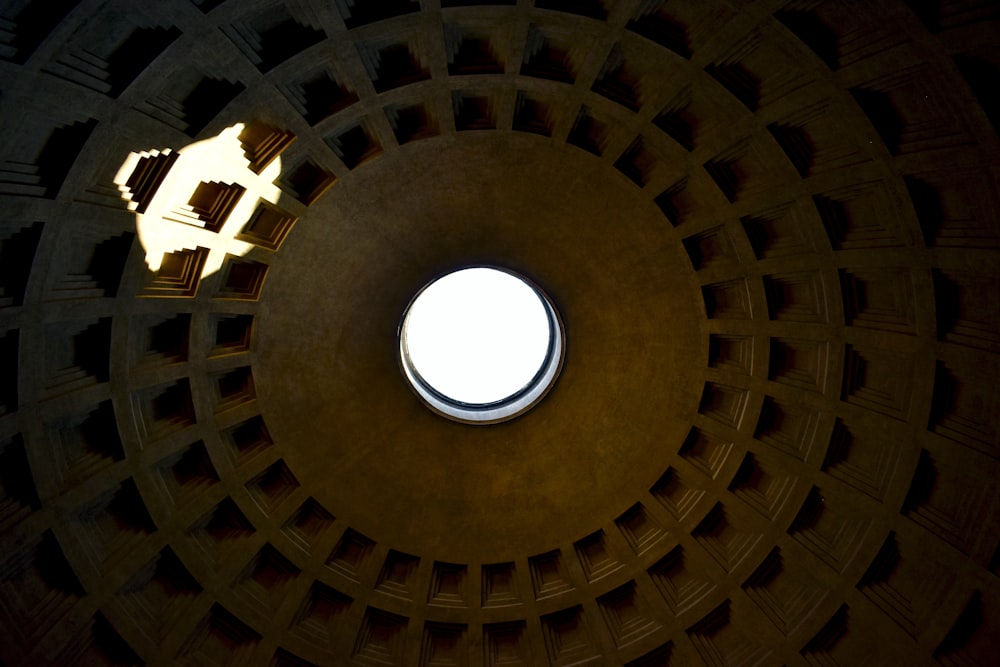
[772, 232]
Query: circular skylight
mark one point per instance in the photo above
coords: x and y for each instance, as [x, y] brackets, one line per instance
[480, 345]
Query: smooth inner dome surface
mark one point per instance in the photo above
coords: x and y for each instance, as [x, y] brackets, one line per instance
[478, 335]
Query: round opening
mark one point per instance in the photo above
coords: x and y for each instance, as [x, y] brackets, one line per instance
[481, 345]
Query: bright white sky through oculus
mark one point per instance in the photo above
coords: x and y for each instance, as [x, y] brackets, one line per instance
[477, 335]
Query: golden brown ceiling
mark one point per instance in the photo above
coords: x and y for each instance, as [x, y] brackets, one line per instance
[771, 229]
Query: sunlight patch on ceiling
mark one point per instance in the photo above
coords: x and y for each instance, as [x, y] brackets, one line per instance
[197, 197]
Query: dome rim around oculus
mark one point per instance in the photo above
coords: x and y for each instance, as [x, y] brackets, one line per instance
[503, 409]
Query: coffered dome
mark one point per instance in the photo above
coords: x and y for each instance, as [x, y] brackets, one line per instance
[769, 230]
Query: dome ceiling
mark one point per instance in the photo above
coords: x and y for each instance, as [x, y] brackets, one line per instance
[770, 229]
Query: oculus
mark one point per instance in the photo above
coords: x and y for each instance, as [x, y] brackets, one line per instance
[481, 345]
